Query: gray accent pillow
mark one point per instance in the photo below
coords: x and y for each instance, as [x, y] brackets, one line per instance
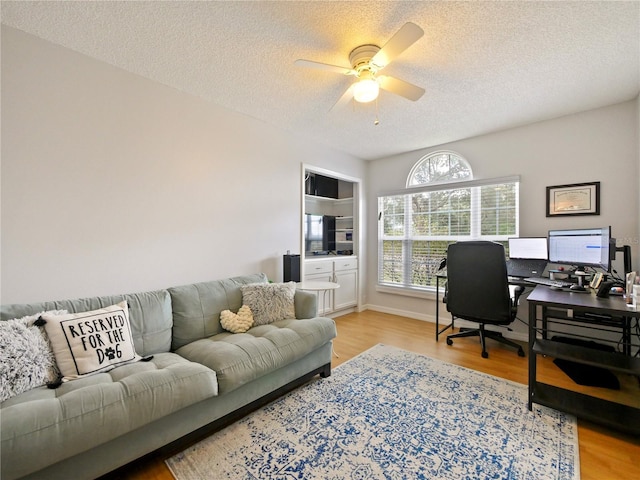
[26, 358]
[269, 302]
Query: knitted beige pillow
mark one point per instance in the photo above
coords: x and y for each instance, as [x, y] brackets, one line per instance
[237, 322]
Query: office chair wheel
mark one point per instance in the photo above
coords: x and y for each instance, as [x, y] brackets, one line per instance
[449, 341]
[520, 352]
[485, 355]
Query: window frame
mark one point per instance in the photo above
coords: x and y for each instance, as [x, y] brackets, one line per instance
[428, 158]
[406, 288]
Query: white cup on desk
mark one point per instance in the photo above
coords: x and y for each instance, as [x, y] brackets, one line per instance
[635, 295]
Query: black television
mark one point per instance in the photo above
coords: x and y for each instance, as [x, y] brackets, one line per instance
[319, 234]
[586, 247]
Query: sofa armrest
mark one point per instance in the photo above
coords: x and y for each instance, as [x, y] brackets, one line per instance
[306, 304]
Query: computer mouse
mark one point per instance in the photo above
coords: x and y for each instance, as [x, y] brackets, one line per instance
[579, 288]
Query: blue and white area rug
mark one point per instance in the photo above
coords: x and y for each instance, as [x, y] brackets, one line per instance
[392, 414]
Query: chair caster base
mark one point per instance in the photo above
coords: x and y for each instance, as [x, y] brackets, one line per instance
[521, 353]
[485, 355]
[449, 341]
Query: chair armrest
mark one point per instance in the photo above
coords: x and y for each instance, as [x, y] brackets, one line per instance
[515, 300]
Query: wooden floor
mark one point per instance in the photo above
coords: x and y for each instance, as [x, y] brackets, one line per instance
[604, 454]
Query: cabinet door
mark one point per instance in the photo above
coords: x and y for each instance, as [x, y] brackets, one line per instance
[321, 271]
[347, 294]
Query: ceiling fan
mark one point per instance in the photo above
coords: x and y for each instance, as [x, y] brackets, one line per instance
[367, 61]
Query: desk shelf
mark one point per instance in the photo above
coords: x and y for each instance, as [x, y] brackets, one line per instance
[611, 414]
[590, 312]
[588, 356]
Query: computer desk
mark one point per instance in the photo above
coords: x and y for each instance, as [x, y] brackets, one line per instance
[584, 310]
[576, 310]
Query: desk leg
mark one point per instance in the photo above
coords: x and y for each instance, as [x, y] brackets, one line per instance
[532, 355]
[626, 335]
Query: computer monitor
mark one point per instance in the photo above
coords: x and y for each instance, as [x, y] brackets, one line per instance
[528, 248]
[587, 247]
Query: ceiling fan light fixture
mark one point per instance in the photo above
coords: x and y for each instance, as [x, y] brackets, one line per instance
[366, 62]
[367, 88]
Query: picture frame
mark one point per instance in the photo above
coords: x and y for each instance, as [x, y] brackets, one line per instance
[574, 199]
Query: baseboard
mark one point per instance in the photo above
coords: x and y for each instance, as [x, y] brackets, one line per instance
[519, 336]
[402, 313]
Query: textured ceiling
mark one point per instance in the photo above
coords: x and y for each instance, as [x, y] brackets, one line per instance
[486, 66]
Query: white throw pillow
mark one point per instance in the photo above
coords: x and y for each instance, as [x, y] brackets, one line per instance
[269, 302]
[91, 342]
[26, 358]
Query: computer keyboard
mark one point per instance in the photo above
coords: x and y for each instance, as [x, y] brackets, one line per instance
[548, 282]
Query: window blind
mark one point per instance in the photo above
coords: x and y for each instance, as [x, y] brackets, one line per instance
[416, 227]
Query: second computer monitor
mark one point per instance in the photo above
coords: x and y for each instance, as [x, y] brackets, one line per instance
[528, 248]
[587, 247]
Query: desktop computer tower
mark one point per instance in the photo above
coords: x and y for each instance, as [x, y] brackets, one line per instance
[291, 268]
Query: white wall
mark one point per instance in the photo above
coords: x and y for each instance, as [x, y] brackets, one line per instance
[597, 145]
[112, 183]
[638, 145]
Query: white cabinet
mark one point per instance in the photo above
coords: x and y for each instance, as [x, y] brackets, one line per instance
[336, 199]
[341, 270]
[346, 275]
[321, 271]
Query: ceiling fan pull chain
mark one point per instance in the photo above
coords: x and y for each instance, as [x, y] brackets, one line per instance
[376, 121]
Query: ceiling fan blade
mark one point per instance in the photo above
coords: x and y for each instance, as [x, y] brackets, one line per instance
[324, 66]
[408, 34]
[400, 87]
[344, 99]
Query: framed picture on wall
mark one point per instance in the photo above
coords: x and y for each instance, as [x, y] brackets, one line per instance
[575, 199]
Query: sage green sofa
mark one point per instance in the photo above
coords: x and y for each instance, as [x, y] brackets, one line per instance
[199, 375]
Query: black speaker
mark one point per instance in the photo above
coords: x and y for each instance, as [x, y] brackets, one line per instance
[291, 268]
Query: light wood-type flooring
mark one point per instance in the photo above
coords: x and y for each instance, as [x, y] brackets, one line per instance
[604, 454]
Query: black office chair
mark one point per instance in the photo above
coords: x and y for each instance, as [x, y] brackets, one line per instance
[478, 291]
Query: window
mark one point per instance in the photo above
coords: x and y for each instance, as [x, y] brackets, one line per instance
[439, 167]
[417, 225]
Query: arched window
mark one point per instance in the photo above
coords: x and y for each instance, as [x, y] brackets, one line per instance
[442, 204]
[439, 167]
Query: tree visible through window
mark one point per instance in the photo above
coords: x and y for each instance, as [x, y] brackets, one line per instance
[442, 205]
[439, 167]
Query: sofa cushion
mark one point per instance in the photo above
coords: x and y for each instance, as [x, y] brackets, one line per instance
[241, 357]
[197, 307]
[149, 315]
[42, 426]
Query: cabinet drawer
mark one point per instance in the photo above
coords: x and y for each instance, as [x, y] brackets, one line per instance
[346, 264]
[325, 266]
